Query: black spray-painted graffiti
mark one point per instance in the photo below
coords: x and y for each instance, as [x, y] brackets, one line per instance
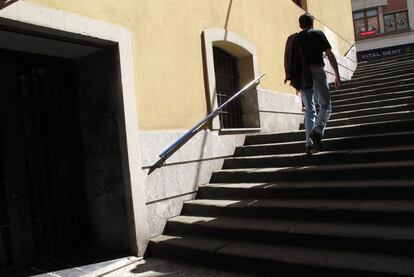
[101, 141]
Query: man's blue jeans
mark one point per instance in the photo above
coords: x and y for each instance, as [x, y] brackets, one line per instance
[319, 93]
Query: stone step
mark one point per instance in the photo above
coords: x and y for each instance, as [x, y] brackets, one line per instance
[372, 111]
[380, 74]
[374, 115]
[388, 68]
[332, 132]
[365, 119]
[374, 103]
[380, 85]
[385, 61]
[352, 84]
[372, 190]
[379, 117]
[329, 144]
[395, 170]
[394, 239]
[387, 212]
[355, 99]
[373, 81]
[366, 92]
[401, 153]
[372, 118]
[280, 260]
[360, 71]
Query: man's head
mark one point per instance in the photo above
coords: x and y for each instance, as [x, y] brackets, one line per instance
[306, 21]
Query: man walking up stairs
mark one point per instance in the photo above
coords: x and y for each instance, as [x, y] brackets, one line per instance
[304, 67]
[348, 210]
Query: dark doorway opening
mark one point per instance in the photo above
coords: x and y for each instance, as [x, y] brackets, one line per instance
[43, 211]
[227, 84]
[61, 174]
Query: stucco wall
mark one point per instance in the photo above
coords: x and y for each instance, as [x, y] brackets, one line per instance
[337, 17]
[167, 45]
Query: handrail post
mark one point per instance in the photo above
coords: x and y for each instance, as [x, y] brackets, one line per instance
[193, 131]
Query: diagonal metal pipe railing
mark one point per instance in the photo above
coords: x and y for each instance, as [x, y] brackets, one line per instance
[6, 3]
[193, 131]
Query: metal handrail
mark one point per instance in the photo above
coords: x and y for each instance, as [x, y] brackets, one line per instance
[193, 131]
[349, 49]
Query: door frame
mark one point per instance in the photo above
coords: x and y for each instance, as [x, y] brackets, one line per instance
[33, 19]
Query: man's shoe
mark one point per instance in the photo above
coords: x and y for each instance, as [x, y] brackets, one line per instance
[316, 139]
[309, 150]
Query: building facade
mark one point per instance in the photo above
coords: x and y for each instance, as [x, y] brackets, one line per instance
[383, 28]
[95, 90]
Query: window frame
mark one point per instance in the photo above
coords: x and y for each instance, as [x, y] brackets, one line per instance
[394, 14]
[227, 84]
[365, 18]
[246, 52]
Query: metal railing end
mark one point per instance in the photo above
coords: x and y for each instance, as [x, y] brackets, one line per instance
[156, 165]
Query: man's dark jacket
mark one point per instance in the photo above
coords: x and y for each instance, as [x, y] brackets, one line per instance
[296, 67]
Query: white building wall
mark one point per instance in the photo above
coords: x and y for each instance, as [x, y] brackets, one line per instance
[410, 7]
[385, 41]
[366, 4]
[381, 20]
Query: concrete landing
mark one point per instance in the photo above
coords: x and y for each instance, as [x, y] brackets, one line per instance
[152, 267]
[86, 262]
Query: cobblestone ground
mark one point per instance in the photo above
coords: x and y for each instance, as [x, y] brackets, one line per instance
[156, 267]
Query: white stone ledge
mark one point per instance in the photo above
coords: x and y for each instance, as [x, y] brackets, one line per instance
[278, 101]
[203, 146]
[282, 112]
[346, 66]
[159, 212]
[31, 13]
[385, 41]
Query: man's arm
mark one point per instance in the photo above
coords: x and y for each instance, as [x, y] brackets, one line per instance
[334, 65]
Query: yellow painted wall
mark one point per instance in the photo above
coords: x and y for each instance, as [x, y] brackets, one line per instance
[336, 16]
[167, 45]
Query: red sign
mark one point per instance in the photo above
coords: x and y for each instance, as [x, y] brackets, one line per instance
[367, 33]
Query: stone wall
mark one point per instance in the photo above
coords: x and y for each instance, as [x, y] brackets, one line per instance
[346, 65]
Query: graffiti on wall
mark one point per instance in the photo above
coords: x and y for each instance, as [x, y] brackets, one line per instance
[101, 142]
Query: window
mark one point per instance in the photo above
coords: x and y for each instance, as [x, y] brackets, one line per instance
[227, 84]
[366, 22]
[230, 65]
[396, 21]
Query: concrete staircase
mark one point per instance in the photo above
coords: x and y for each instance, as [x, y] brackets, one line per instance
[348, 210]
